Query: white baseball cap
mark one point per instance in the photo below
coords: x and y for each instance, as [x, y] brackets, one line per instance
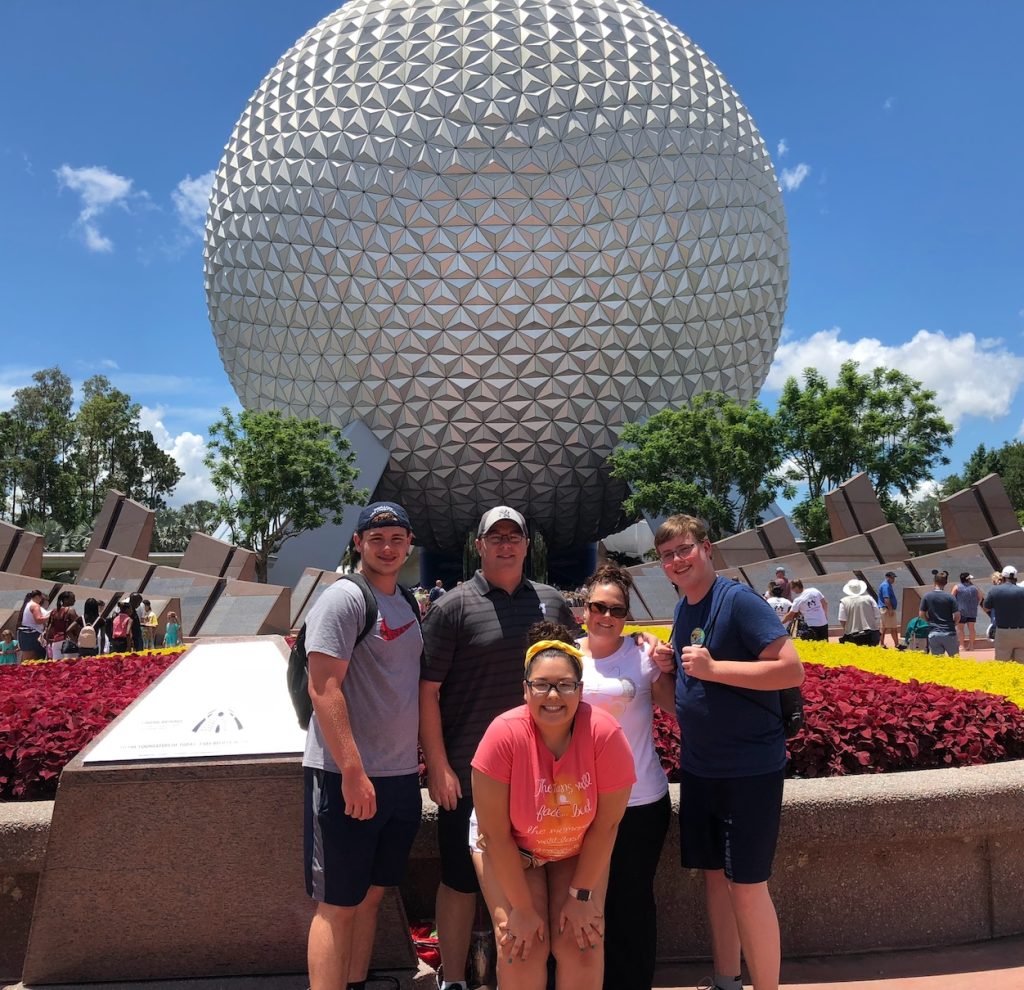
[1009, 571]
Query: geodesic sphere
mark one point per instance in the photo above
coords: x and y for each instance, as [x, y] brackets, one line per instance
[495, 231]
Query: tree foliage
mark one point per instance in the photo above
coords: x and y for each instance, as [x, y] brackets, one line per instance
[57, 463]
[278, 476]
[174, 527]
[715, 458]
[1007, 461]
[882, 422]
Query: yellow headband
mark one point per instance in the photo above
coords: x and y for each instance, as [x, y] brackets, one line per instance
[551, 644]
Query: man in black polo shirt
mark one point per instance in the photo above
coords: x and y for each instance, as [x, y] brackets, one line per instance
[474, 638]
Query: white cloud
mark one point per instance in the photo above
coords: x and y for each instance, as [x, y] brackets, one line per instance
[970, 376]
[781, 148]
[793, 177]
[98, 189]
[188, 450]
[191, 198]
[890, 102]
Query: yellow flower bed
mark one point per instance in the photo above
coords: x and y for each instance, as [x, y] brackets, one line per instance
[156, 652]
[994, 676]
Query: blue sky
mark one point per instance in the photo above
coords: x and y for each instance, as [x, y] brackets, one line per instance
[895, 130]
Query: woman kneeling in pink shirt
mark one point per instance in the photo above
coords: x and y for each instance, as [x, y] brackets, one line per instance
[550, 783]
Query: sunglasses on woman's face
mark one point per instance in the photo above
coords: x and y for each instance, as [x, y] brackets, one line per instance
[602, 608]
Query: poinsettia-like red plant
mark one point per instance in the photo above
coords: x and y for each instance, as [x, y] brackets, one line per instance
[856, 722]
[50, 711]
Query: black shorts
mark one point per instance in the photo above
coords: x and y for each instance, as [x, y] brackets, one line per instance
[453, 842]
[816, 632]
[730, 824]
[344, 857]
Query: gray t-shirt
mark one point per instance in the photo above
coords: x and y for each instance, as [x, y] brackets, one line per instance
[381, 685]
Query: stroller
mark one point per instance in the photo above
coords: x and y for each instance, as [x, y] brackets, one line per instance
[916, 636]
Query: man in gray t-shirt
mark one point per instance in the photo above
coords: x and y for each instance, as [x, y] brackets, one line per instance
[362, 795]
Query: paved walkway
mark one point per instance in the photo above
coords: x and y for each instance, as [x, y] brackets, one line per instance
[996, 965]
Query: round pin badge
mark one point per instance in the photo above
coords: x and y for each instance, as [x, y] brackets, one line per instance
[697, 637]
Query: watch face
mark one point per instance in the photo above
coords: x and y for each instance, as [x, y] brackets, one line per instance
[582, 895]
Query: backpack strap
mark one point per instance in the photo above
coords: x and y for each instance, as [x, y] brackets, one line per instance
[369, 606]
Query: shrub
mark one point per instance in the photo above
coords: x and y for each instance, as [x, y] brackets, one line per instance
[50, 711]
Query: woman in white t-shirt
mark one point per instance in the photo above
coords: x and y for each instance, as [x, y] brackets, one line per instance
[812, 606]
[620, 677]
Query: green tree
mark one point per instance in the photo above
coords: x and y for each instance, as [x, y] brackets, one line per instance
[1006, 461]
[882, 422]
[715, 458]
[277, 477]
[114, 452]
[43, 434]
[174, 527]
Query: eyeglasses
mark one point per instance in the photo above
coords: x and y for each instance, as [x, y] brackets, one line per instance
[681, 552]
[615, 611]
[497, 539]
[542, 688]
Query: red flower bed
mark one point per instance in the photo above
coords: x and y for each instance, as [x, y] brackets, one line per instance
[856, 722]
[50, 711]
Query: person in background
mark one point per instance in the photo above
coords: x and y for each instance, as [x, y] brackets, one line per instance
[150, 621]
[61, 630]
[135, 601]
[781, 581]
[89, 634]
[172, 632]
[734, 657]
[8, 648]
[31, 626]
[888, 607]
[968, 597]
[810, 604]
[778, 600]
[1005, 604]
[621, 677]
[436, 592]
[551, 779]
[121, 627]
[938, 608]
[997, 578]
[858, 615]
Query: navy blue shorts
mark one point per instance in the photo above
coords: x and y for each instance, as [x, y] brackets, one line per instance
[345, 857]
[457, 870]
[730, 824]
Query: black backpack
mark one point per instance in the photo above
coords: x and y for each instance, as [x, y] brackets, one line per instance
[298, 662]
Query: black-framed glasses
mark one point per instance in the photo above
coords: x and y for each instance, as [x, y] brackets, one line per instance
[497, 539]
[542, 688]
[667, 556]
[602, 608]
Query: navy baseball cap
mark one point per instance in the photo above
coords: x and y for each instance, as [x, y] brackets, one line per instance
[379, 514]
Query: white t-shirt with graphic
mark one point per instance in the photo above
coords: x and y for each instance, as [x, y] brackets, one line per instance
[621, 685]
[810, 604]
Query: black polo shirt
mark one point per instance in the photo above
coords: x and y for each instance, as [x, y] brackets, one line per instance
[474, 644]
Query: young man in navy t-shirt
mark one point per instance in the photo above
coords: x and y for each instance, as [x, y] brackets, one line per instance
[734, 656]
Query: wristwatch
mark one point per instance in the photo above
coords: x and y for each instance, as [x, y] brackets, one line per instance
[580, 893]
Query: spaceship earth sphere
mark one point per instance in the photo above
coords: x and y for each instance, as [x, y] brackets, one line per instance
[495, 231]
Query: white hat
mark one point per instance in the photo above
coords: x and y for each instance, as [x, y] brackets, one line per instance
[854, 587]
[1009, 571]
[494, 516]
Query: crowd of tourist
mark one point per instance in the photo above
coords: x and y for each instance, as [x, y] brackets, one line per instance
[56, 633]
[945, 623]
